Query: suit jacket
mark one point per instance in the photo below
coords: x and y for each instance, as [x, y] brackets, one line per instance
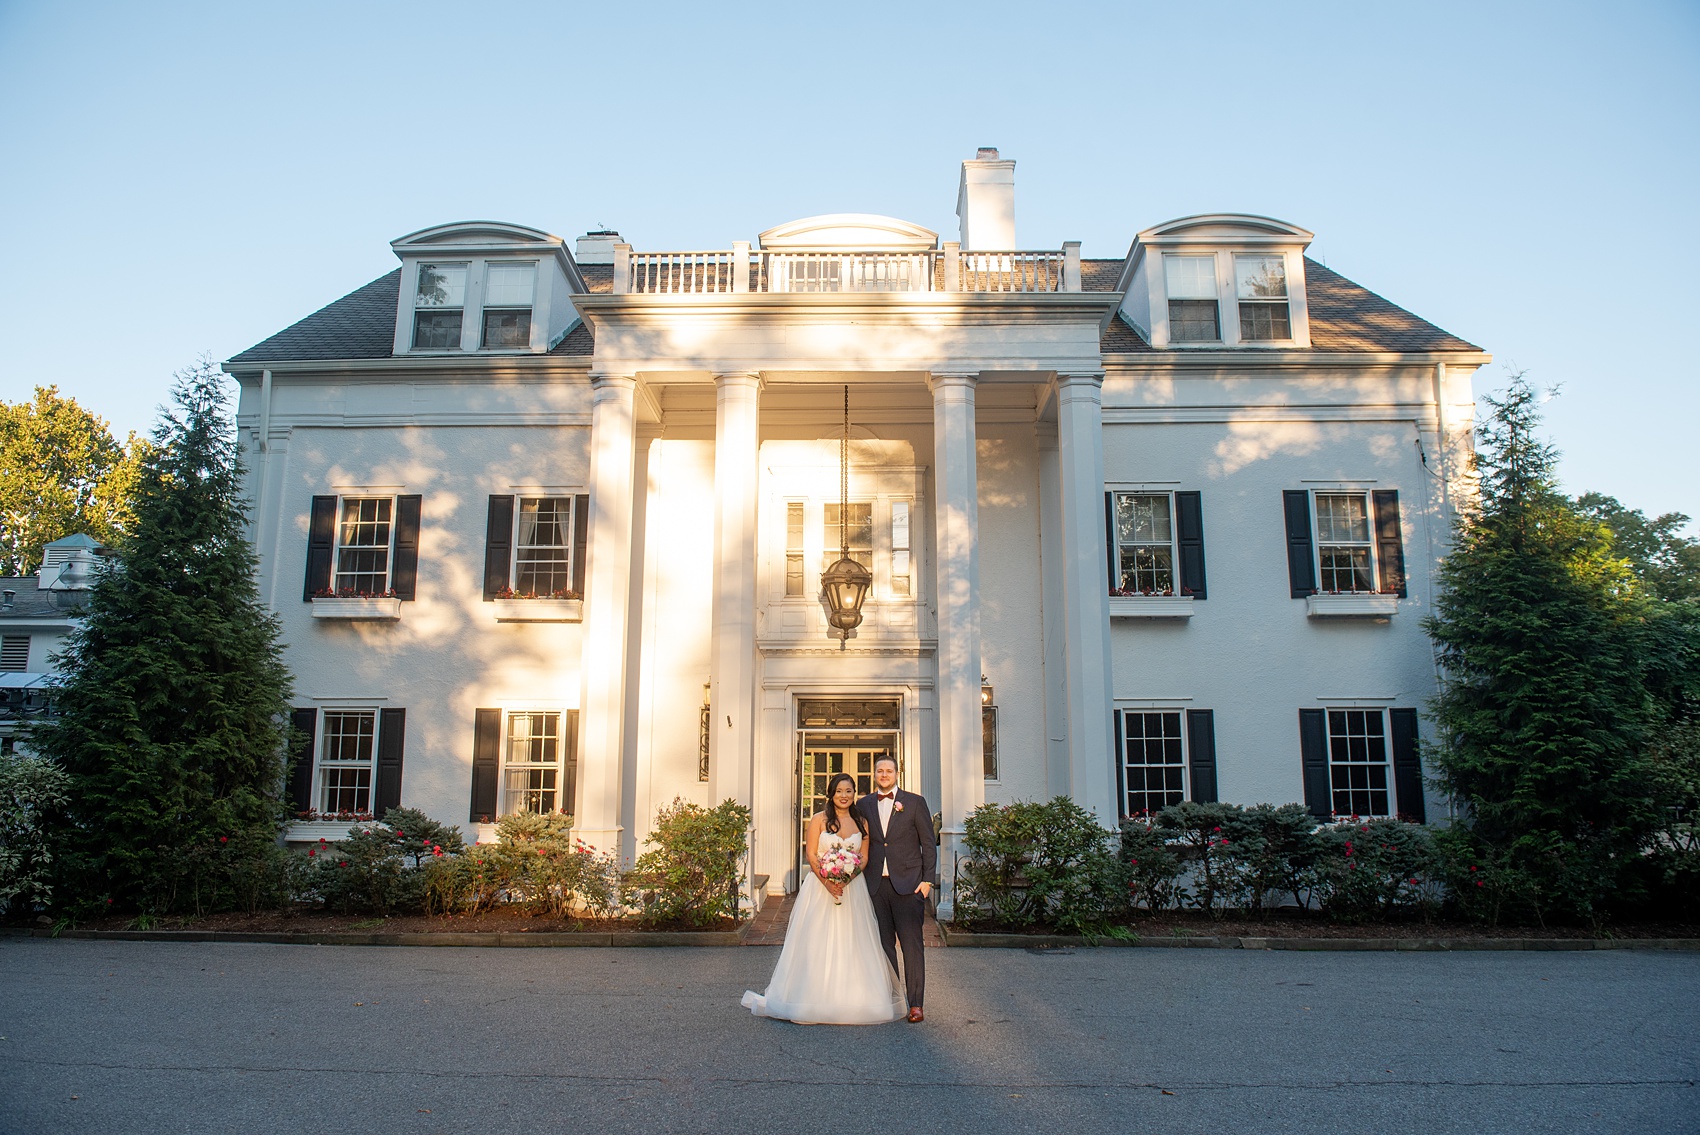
[907, 844]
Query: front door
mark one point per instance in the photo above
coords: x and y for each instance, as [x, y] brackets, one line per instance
[840, 736]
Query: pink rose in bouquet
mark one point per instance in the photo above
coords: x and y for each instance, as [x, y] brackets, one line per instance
[839, 865]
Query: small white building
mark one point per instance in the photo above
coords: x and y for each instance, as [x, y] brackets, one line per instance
[545, 525]
[35, 616]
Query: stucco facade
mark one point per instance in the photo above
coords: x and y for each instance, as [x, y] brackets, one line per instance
[1035, 441]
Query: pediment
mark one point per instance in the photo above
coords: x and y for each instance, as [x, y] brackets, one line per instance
[472, 234]
[849, 230]
[1222, 228]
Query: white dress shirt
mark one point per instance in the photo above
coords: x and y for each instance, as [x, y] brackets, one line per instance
[885, 807]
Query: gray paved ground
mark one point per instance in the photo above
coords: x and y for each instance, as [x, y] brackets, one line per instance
[102, 1037]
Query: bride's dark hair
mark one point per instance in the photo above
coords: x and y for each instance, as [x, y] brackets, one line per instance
[832, 809]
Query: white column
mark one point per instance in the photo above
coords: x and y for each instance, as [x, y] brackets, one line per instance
[956, 522]
[732, 694]
[1085, 592]
[607, 601]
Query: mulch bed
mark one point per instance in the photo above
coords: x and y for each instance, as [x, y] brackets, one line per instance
[309, 920]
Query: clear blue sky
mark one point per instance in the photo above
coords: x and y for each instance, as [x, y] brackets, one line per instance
[178, 179]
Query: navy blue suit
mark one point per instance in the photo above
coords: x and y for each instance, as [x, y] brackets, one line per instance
[909, 848]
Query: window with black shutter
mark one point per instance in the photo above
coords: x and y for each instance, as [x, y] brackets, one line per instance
[1407, 766]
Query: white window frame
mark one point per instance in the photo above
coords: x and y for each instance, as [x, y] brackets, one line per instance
[1369, 545]
[1174, 541]
[486, 308]
[796, 544]
[339, 546]
[567, 530]
[1243, 304]
[323, 765]
[1214, 298]
[418, 308]
[1384, 766]
[830, 546]
[508, 766]
[1179, 712]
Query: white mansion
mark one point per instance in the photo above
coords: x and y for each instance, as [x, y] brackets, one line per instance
[545, 526]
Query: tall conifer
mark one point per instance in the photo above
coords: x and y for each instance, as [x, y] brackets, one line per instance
[173, 708]
[1544, 704]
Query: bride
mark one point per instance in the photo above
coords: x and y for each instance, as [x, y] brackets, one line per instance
[832, 970]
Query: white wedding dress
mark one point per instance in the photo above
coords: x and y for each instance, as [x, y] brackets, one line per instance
[832, 970]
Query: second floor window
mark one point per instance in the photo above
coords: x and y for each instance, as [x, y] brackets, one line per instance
[794, 548]
[363, 546]
[1261, 284]
[858, 530]
[1145, 543]
[542, 552]
[439, 304]
[1344, 549]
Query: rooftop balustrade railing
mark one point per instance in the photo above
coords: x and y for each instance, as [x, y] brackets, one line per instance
[742, 269]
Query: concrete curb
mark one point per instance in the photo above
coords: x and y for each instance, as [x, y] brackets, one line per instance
[963, 938]
[635, 938]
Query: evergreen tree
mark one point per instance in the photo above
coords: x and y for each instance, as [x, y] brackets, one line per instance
[1545, 641]
[173, 708]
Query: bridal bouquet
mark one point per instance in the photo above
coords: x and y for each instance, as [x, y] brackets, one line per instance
[839, 865]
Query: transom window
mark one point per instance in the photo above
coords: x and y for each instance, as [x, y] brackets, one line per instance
[1193, 312]
[1153, 759]
[363, 545]
[439, 303]
[794, 548]
[1357, 762]
[1261, 285]
[531, 778]
[1145, 543]
[900, 584]
[345, 760]
[1345, 552]
[542, 547]
[858, 530]
[509, 291]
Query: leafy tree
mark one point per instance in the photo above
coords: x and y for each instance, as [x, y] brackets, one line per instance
[1663, 559]
[173, 707]
[1546, 643]
[60, 472]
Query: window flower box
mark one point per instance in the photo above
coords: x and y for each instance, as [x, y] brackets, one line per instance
[538, 610]
[1351, 604]
[362, 607]
[1132, 605]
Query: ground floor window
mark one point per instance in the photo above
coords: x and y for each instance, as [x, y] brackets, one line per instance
[346, 760]
[1357, 762]
[1153, 759]
[531, 773]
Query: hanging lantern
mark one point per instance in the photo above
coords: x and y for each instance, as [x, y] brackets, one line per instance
[845, 584]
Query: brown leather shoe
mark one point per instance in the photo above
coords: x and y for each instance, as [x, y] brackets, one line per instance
[915, 1016]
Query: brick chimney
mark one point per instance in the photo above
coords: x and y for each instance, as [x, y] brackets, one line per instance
[985, 203]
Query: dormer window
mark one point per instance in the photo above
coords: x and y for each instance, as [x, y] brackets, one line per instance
[439, 305]
[1261, 282]
[508, 294]
[1193, 313]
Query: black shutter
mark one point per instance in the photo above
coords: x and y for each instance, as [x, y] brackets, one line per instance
[581, 540]
[1201, 743]
[486, 763]
[392, 739]
[404, 575]
[1407, 767]
[1301, 557]
[1313, 747]
[306, 722]
[321, 547]
[569, 737]
[1121, 765]
[1110, 539]
[1189, 527]
[1389, 541]
[498, 546]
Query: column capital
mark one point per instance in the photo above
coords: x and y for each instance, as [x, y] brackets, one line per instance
[940, 380]
[611, 380]
[1080, 378]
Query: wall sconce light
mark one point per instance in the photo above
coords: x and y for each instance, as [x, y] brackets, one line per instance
[987, 695]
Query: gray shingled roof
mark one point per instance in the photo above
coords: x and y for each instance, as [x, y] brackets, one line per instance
[30, 602]
[1343, 317]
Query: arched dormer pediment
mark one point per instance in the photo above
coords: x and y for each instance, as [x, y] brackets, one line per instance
[849, 230]
[475, 234]
[1217, 228]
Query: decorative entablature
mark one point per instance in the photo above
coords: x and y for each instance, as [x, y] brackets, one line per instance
[1218, 281]
[483, 286]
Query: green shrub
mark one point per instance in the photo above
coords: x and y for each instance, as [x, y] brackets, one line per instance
[367, 873]
[31, 790]
[1372, 868]
[1153, 868]
[1032, 864]
[691, 874]
[1202, 836]
[419, 837]
[1272, 853]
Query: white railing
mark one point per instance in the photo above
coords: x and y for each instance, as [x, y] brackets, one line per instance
[830, 270]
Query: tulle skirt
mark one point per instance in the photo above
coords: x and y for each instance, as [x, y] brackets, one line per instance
[832, 970]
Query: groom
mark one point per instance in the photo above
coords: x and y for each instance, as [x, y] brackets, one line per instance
[902, 871]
